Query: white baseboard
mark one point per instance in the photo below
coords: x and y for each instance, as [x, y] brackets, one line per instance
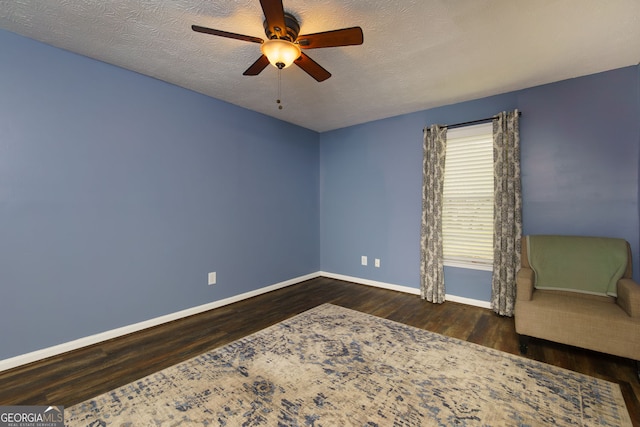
[34, 356]
[361, 281]
[406, 289]
[468, 301]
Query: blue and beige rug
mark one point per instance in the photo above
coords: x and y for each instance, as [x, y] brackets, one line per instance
[332, 366]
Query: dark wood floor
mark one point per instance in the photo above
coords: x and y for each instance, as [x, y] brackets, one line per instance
[79, 375]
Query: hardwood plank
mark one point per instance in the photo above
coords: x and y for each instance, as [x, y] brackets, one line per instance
[73, 377]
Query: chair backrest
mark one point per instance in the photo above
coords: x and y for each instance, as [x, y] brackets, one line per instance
[589, 265]
[628, 273]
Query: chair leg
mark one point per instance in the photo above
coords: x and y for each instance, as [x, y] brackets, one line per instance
[524, 344]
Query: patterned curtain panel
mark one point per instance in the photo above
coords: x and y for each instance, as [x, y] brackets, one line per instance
[431, 267]
[507, 212]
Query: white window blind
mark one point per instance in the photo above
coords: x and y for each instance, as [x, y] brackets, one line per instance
[467, 214]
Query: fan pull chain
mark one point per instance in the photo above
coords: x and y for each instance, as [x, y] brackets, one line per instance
[278, 101]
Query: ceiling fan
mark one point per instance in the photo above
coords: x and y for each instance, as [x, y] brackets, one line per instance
[283, 45]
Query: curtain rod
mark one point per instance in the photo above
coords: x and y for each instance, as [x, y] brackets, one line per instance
[473, 122]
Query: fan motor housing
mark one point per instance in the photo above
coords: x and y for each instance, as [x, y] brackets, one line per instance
[290, 33]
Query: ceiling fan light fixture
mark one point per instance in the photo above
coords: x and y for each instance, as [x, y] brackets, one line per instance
[281, 53]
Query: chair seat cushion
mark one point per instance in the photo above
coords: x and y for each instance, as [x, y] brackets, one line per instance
[592, 322]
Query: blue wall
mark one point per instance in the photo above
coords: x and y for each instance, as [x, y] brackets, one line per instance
[580, 154]
[119, 193]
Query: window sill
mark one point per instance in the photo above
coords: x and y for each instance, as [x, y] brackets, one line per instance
[469, 265]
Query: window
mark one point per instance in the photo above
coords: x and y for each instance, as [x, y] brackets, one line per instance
[467, 212]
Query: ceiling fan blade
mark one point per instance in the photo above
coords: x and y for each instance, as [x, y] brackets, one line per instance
[274, 15]
[312, 68]
[257, 66]
[344, 37]
[226, 34]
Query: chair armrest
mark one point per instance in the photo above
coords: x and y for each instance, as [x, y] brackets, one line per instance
[629, 297]
[524, 282]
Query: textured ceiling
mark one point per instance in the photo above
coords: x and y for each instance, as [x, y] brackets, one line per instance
[417, 54]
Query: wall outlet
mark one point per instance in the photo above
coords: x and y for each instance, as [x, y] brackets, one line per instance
[377, 262]
[363, 260]
[212, 278]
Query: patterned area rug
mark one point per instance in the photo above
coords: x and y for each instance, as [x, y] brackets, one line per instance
[332, 366]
